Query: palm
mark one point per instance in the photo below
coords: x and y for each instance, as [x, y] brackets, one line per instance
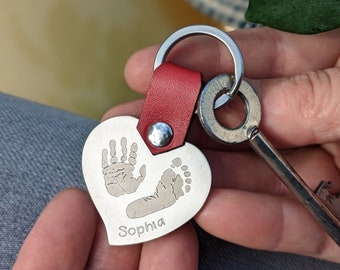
[257, 197]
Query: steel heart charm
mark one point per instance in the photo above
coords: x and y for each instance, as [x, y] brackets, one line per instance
[139, 196]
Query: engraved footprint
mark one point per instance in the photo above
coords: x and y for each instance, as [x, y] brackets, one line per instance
[168, 190]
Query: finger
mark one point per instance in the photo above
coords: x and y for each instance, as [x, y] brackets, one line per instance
[297, 110]
[113, 154]
[177, 250]
[306, 101]
[267, 53]
[104, 256]
[105, 162]
[63, 234]
[246, 171]
[267, 222]
[123, 143]
[133, 154]
[132, 108]
[302, 109]
[334, 151]
[313, 164]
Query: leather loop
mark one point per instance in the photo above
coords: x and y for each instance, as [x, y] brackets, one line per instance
[171, 99]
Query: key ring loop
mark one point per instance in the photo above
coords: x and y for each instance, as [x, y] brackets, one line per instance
[234, 50]
[207, 116]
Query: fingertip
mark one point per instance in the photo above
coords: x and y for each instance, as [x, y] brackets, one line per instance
[65, 229]
[240, 217]
[139, 68]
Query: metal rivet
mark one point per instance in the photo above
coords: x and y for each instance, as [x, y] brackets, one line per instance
[160, 134]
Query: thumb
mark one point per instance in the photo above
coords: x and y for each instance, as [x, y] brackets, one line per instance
[302, 109]
[62, 236]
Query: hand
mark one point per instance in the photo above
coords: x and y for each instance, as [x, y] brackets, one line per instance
[298, 80]
[118, 174]
[70, 235]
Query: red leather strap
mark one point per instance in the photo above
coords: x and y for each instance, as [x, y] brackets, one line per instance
[171, 98]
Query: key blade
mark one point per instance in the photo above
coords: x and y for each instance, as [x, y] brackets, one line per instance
[316, 206]
[332, 201]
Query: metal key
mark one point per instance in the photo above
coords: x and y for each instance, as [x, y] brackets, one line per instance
[324, 206]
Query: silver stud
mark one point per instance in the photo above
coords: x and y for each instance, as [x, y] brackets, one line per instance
[160, 134]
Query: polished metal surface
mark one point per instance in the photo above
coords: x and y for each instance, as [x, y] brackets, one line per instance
[206, 102]
[160, 134]
[231, 45]
[140, 196]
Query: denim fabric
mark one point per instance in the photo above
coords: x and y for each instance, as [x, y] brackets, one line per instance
[216, 254]
[40, 153]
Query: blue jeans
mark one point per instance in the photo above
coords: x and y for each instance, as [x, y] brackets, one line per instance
[40, 153]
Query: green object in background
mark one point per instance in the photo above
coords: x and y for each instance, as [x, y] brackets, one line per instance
[297, 16]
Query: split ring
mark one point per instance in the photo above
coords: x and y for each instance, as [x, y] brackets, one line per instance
[234, 50]
[207, 115]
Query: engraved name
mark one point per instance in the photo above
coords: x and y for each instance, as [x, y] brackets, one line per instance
[139, 230]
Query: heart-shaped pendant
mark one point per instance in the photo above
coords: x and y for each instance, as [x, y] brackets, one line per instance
[140, 196]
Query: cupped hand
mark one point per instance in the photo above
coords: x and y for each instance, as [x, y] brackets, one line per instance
[70, 235]
[298, 80]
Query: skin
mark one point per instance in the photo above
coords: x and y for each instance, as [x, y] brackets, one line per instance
[297, 79]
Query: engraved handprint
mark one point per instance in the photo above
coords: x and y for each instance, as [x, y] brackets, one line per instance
[118, 174]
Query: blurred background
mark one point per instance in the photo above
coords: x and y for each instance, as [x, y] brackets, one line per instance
[71, 54]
